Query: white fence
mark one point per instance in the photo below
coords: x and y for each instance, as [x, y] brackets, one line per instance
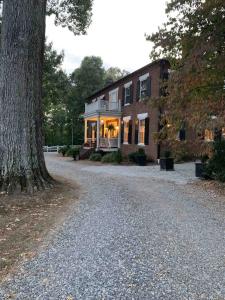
[55, 148]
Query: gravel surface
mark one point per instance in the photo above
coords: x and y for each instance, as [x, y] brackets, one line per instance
[129, 238]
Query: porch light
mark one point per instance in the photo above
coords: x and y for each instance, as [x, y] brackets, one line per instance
[102, 121]
[117, 127]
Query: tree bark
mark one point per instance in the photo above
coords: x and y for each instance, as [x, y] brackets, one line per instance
[22, 165]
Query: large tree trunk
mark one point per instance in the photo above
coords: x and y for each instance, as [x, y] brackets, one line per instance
[22, 53]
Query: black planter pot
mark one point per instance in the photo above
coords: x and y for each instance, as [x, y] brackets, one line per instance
[141, 160]
[199, 169]
[167, 164]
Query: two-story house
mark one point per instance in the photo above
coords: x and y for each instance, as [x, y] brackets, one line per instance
[119, 117]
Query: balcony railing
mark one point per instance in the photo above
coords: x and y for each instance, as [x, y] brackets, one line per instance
[102, 106]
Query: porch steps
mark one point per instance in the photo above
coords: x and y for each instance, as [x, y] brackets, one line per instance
[85, 153]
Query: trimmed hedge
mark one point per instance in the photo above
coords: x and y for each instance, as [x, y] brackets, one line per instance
[95, 157]
[73, 152]
[113, 157]
[63, 150]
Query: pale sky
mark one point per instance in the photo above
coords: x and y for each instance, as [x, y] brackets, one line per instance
[117, 34]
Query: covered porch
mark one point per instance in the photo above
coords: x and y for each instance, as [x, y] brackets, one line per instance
[102, 132]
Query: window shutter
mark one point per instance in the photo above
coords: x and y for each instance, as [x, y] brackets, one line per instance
[123, 96]
[147, 131]
[138, 90]
[149, 87]
[182, 135]
[122, 132]
[136, 131]
[131, 93]
[130, 132]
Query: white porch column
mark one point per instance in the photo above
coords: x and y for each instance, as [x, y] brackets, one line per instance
[85, 131]
[98, 132]
[119, 134]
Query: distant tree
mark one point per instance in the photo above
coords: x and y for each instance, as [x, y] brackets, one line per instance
[113, 74]
[56, 89]
[193, 39]
[22, 163]
[85, 80]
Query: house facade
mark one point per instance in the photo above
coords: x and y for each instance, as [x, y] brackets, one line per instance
[119, 117]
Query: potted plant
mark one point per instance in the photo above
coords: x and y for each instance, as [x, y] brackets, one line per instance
[140, 157]
[200, 166]
[167, 162]
[74, 152]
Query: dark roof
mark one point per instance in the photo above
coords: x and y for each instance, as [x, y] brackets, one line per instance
[130, 75]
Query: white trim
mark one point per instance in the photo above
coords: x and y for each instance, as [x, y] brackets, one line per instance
[125, 143]
[114, 91]
[144, 77]
[101, 97]
[141, 144]
[127, 119]
[126, 104]
[128, 84]
[142, 116]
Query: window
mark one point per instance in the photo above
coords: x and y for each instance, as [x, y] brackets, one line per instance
[141, 131]
[223, 133]
[126, 132]
[209, 135]
[143, 89]
[113, 96]
[127, 95]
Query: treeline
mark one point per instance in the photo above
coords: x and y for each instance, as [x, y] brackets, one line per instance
[64, 95]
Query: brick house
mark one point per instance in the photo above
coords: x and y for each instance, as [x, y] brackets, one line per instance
[118, 117]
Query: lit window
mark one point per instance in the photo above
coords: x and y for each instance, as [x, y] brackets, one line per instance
[141, 132]
[209, 135]
[126, 132]
[223, 133]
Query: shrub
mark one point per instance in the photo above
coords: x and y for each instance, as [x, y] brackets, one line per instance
[182, 155]
[113, 157]
[167, 154]
[215, 167]
[73, 152]
[95, 157]
[63, 150]
[134, 156]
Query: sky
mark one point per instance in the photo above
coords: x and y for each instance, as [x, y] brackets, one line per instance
[117, 34]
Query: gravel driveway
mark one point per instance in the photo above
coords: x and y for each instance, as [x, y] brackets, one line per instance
[129, 237]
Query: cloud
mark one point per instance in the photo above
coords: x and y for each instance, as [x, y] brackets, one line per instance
[117, 34]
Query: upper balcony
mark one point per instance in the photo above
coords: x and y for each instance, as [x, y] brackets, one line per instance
[103, 107]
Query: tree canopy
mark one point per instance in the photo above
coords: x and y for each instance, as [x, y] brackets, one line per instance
[193, 39]
[73, 14]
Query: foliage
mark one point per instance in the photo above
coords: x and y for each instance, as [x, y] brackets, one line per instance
[113, 74]
[96, 157]
[63, 150]
[73, 152]
[73, 14]
[216, 164]
[134, 156]
[111, 127]
[113, 157]
[56, 88]
[193, 39]
[167, 154]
